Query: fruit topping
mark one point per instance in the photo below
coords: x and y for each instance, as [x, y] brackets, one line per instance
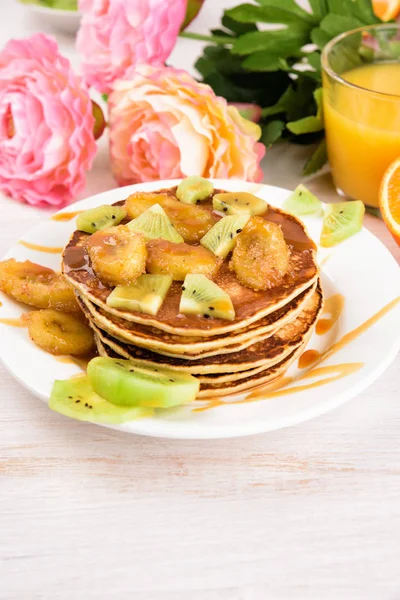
[124, 383]
[194, 189]
[146, 295]
[191, 222]
[118, 255]
[261, 256]
[60, 333]
[37, 286]
[239, 203]
[341, 221]
[75, 398]
[154, 224]
[302, 202]
[221, 238]
[178, 260]
[100, 218]
[203, 297]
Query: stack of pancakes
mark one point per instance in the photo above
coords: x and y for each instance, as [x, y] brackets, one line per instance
[269, 332]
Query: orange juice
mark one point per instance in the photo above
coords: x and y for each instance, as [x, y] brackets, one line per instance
[363, 128]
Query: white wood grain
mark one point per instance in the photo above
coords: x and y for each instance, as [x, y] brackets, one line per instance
[306, 513]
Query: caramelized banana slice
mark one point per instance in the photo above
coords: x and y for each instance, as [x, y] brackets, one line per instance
[191, 222]
[118, 255]
[37, 286]
[261, 256]
[60, 333]
[178, 260]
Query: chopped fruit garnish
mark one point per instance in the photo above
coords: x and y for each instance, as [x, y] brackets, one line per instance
[341, 221]
[221, 238]
[146, 295]
[191, 222]
[154, 224]
[389, 199]
[100, 218]
[386, 10]
[37, 286]
[166, 258]
[118, 255]
[261, 256]
[75, 398]
[193, 190]
[124, 383]
[60, 333]
[203, 297]
[239, 203]
[302, 202]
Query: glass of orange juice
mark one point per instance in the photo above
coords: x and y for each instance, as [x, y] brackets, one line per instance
[361, 80]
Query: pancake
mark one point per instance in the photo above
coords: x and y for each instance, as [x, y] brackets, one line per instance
[190, 348]
[259, 355]
[250, 306]
[235, 385]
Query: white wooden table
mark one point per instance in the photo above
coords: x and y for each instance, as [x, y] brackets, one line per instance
[306, 513]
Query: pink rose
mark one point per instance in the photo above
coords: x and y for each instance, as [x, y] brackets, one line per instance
[166, 125]
[116, 36]
[46, 124]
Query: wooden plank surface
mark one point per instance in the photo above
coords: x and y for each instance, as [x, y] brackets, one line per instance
[306, 513]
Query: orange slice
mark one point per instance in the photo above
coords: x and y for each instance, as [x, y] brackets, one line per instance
[389, 199]
[386, 9]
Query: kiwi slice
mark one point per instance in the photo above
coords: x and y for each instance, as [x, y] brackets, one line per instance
[154, 224]
[99, 218]
[239, 203]
[124, 383]
[203, 297]
[302, 202]
[221, 238]
[146, 295]
[75, 398]
[341, 221]
[194, 190]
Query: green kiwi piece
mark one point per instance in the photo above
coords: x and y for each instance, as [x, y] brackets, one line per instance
[124, 383]
[222, 237]
[146, 295]
[203, 297]
[341, 221]
[302, 202]
[194, 190]
[154, 224]
[239, 203]
[75, 398]
[102, 217]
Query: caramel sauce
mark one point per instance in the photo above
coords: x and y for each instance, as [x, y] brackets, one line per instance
[308, 358]
[333, 306]
[80, 361]
[38, 248]
[20, 322]
[328, 373]
[1, 304]
[67, 216]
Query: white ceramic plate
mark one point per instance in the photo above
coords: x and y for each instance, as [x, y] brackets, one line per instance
[66, 21]
[361, 269]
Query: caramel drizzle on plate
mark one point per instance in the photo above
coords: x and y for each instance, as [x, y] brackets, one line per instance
[39, 248]
[66, 216]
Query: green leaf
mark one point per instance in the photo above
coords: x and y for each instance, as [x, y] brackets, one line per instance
[265, 61]
[314, 60]
[319, 8]
[334, 25]
[221, 32]
[248, 13]
[317, 160]
[289, 41]
[235, 26]
[319, 37]
[305, 125]
[366, 12]
[272, 132]
[290, 6]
